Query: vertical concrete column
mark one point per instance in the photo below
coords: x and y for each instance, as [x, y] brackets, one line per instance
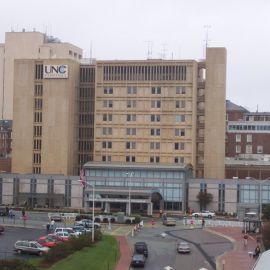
[107, 207]
[215, 113]
[150, 209]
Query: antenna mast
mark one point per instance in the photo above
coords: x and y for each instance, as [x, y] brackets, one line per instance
[207, 27]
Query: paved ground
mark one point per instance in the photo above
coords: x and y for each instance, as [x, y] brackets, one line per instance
[238, 258]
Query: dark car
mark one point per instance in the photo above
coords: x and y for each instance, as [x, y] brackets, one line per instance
[2, 229]
[3, 211]
[138, 260]
[141, 248]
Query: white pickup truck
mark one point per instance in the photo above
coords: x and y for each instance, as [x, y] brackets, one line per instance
[204, 213]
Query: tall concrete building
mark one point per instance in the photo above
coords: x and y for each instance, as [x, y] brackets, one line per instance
[27, 45]
[132, 112]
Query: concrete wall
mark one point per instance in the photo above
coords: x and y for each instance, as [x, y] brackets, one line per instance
[215, 113]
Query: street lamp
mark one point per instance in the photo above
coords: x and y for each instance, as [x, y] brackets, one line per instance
[129, 174]
[85, 184]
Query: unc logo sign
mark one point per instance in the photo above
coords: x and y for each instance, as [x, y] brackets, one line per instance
[55, 71]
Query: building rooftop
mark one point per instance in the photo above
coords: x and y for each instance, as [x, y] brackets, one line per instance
[230, 106]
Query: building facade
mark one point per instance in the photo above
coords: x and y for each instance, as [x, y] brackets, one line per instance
[146, 189]
[151, 111]
[247, 143]
[32, 45]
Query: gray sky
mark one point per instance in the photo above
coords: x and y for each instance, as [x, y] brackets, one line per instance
[123, 29]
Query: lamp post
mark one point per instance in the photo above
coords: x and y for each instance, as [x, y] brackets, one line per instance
[85, 184]
[129, 174]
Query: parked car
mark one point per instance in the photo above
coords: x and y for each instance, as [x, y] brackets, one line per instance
[2, 229]
[183, 247]
[70, 231]
[63, 235]
[169, 221]
[138, 260]
[55, 237]
[55, 217]
[80, 229]
[204, 213]
[3, 211]
[141, 248]
[87, 223]
[48, 241]
[30, 247]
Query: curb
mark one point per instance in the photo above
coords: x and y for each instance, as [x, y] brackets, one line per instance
[219, 258]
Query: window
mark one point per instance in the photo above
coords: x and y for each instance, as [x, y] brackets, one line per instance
[156, 90]
[238, 149]
[179, 146]
[132, 90]
[38, 104]
[155, 131]
[180, 118]
[107, 117]
[155, 118]
[259, 149]
[37, 144]
[107, 131]
[180, 90]
[131, 131]
[248, 149]
[106, 144]
[179, 132]
[130, 145]
[107, 103]
[130, 159]
[131, 117]
[154, 145]
[33, 186]
[180, 104]
[238, 137]
[50, 186]
[179, 160]
[131, 103]
[106, 158]
[155, 104]
[154, 159]
[108, 90]
[249, 137]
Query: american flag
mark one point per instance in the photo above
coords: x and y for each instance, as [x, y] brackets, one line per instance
[82, 178]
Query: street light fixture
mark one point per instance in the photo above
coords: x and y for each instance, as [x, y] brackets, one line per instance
[129, 174]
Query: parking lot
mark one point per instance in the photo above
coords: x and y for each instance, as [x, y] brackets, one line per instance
[11, 235]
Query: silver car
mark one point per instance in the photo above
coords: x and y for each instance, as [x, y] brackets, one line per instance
[183, 247]
[30, 247]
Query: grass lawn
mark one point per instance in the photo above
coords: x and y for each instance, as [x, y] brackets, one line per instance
[103, 256]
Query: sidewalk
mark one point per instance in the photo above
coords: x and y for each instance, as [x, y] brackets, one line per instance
[237, 258]
[125, 254]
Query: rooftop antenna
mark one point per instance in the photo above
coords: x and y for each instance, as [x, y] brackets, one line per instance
[163, 54]
[149, 49]
[257, 108]
[207, 27]
[91, 52]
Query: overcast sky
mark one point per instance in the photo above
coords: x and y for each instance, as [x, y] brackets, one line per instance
[125, 29]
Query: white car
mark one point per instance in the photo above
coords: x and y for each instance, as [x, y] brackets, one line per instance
[70, 231]
[204, 213]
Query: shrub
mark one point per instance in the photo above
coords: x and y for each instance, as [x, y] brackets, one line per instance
[137, 219]
[128, 221]
[15, 264]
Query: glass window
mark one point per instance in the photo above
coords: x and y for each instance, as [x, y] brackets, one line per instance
[238, 137]
[249, 137]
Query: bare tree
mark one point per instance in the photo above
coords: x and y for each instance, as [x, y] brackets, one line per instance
[204, 199]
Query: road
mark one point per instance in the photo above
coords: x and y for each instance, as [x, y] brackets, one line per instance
[162, 250]
[11, 235]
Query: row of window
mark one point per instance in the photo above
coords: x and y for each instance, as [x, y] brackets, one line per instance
[238, 137]
[179, 132]
[132, 117]
[249, 127]
[153, 145]
[249, 149]
[145, 73]
[155, 90]
[179, 104]
[152, 159]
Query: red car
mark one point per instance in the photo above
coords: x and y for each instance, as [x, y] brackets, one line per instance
[48, 241]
